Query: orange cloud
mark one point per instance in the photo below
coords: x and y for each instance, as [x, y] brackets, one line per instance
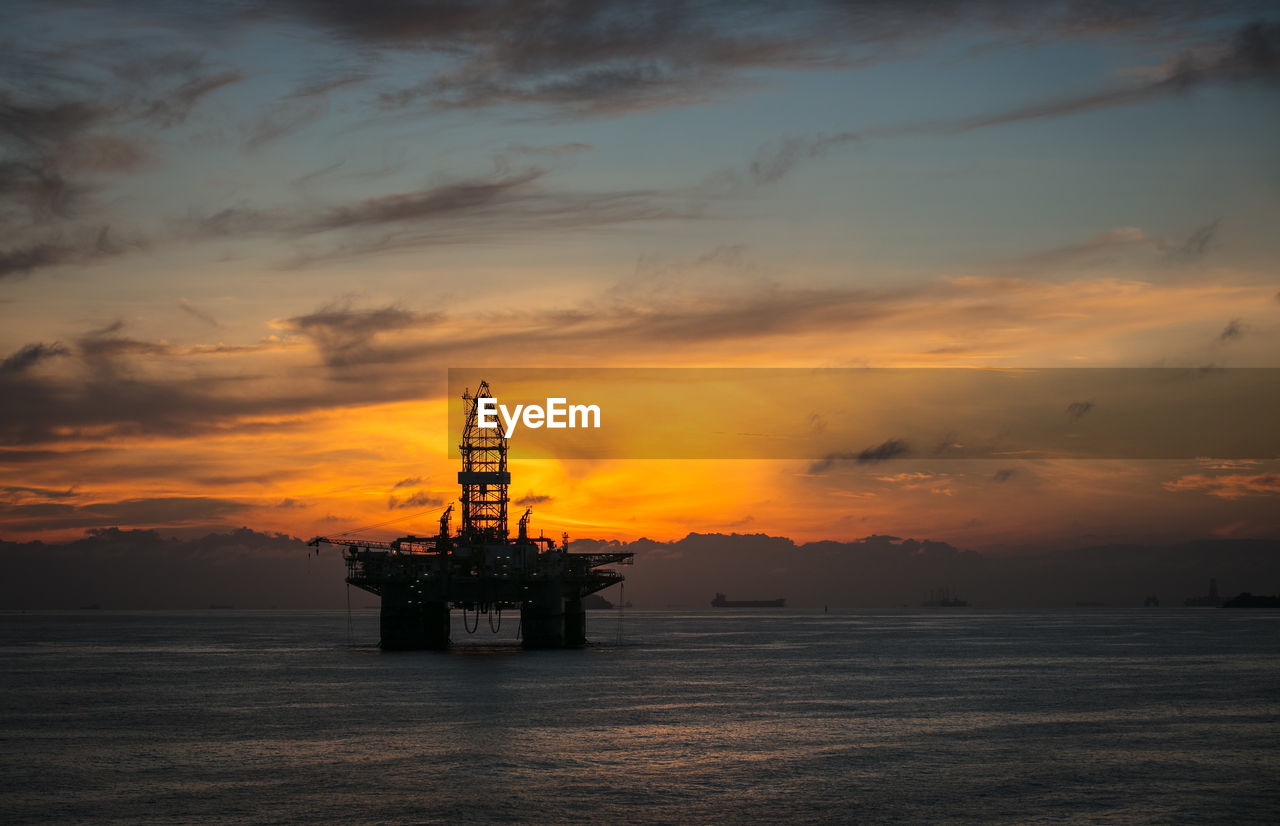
[1228, 486]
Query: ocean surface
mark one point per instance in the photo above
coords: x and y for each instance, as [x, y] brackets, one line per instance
[1089, 715]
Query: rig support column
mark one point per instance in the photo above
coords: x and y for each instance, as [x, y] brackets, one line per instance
[542, 618]
[575, 624]
[408, 623]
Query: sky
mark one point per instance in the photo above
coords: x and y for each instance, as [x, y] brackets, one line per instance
[241, 245]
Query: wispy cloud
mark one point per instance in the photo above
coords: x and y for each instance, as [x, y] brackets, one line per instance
[614, 57]
[344, 335]
[195, 312]
[115, 382]
[282, 120]
[1229, 485]
[552, 149]
[26, 491]
[75, 126]
[320, 88]
[1232, 331]
[160, 510]
[32, 354]
[174, 107]
[883, 452]
[467, 210]
[1250, 55]
[1196, 245]
[72, 247]
[1078, 410]
[417, 499]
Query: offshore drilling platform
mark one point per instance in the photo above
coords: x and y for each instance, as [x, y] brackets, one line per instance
[481, 569]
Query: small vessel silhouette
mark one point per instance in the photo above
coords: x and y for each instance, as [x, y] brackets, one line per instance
[722, 602]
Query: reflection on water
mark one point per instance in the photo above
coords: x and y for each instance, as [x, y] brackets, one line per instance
[1126, 716]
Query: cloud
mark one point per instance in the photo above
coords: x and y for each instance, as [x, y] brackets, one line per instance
[348, 337]
[27, 456]
[40, 493]
[434, 202]
[281, 120]
[82, 109]
[195, 312]
[882, 452]
[81, 247]
[603, 58]
[174, 107]
[408, 483]
[41, 192]
[1004, 474]
[104, 344]
[1120, 244]
[1228, 486]
[889, 449]
[1196, 245]
[530, 499]
[118, 386]
[1232, 331]
[1227, 464]
[613, 57]
[935, 483]
[26, 259]
[148, 511]
[554, 150]
[463, 211]
[32, 354]
[63, 133]
[1100, 248]
[1250, 55]
[344, 335]
[417, 499]
[41, 125]
[774, 161]
[102, 396]
[1078, 410]
[324, 87]
[143, 569]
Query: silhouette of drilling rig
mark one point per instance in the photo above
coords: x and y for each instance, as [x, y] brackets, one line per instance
[480, 570]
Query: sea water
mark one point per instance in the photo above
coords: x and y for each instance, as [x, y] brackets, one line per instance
[1091, 715]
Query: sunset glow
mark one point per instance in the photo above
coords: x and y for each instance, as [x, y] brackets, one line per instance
[241, 251]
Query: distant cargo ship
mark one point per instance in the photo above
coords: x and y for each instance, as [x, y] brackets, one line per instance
[1210, 601]
[721, 602]
[1248, 600]
[942, 598]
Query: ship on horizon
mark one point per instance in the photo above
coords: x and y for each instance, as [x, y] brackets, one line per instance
[722, 602]
[943, 598]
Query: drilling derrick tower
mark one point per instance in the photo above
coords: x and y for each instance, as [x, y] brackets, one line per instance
[484, 477]
[480, 569]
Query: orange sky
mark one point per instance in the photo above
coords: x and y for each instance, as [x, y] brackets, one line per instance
[298, 453]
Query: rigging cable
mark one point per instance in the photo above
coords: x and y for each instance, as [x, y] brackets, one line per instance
[390, 521]
[622, 608]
